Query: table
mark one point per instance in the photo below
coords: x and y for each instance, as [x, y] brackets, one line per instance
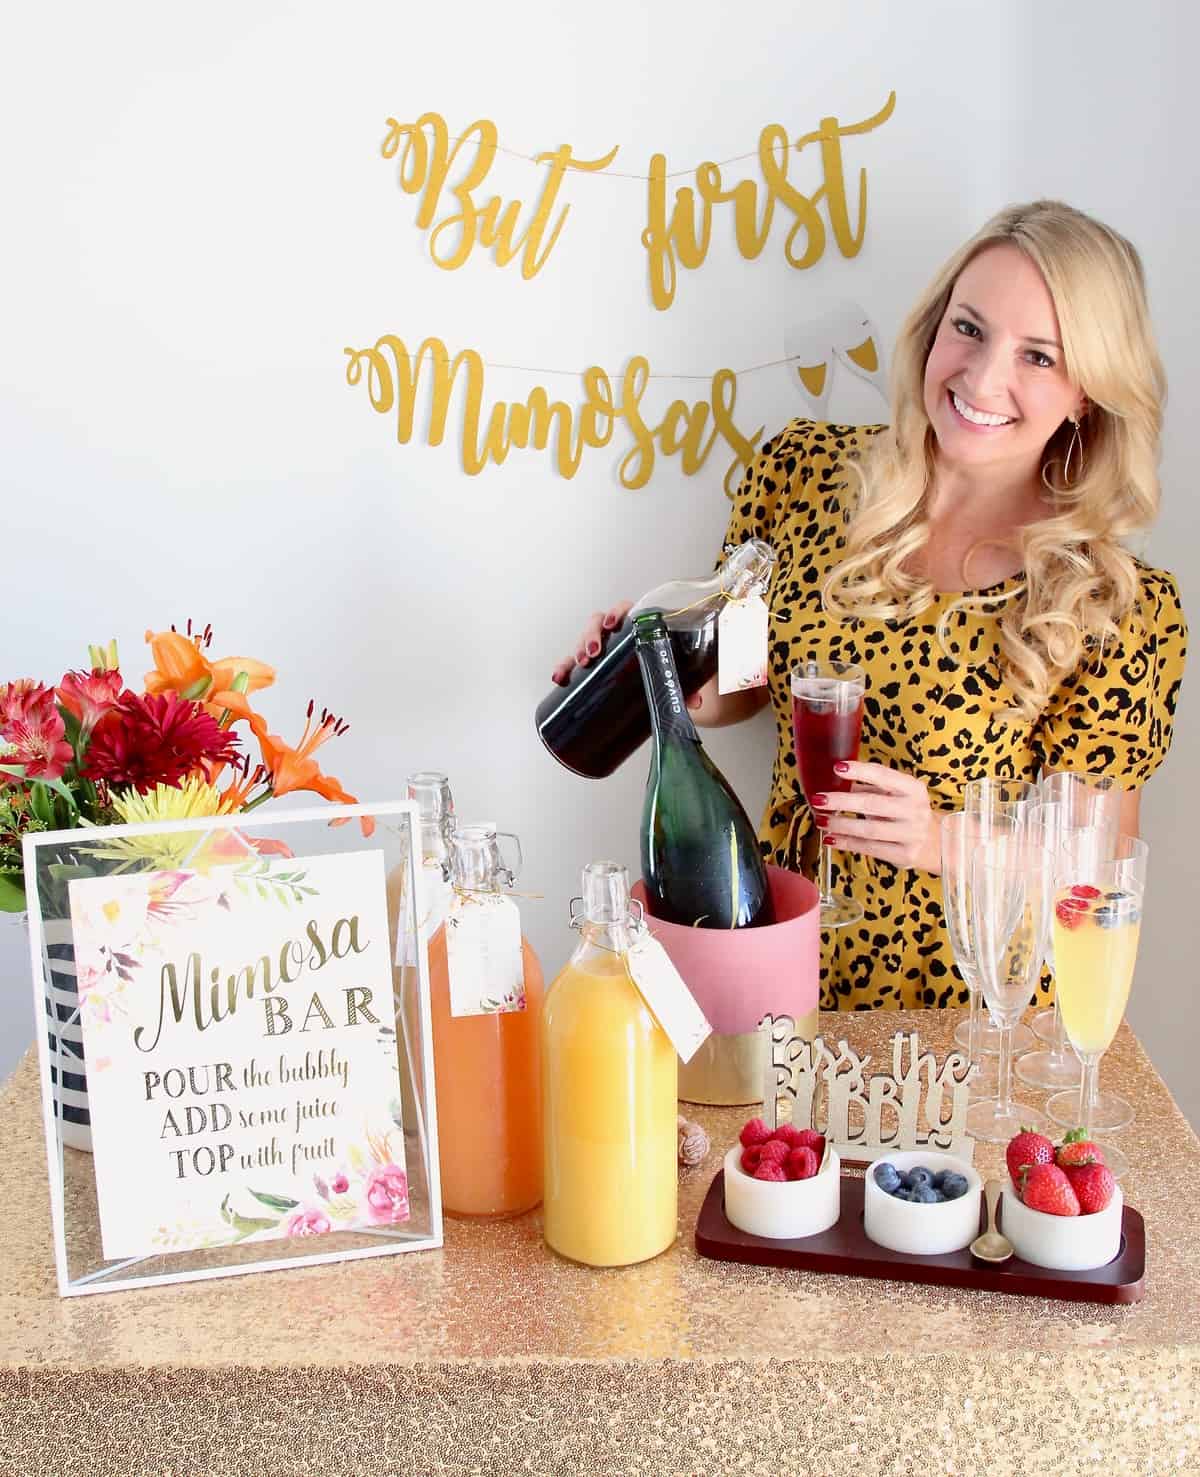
[492, 1355]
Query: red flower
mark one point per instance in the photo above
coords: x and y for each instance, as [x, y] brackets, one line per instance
[146, 741]
[26, 701]
[87, 696]
[39, 743]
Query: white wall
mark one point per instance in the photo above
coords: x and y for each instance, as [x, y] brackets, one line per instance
[198, 220]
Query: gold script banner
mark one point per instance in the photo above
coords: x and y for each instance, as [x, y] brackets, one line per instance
[676, 234]
[690, 429]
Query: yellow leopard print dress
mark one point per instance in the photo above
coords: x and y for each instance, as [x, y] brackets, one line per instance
[929, 711]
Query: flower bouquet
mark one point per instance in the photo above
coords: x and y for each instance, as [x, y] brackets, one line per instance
[90, 753]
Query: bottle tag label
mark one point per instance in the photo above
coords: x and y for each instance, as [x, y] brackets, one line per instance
[666, 995]
[742, 644]
[433, 903]
[484, 960]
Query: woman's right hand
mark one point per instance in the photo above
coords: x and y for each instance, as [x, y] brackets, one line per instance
[591, 640]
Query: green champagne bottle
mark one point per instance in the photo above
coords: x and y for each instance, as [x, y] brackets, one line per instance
[701, 862]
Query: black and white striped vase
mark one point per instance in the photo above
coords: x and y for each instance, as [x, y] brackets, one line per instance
[68, 1075]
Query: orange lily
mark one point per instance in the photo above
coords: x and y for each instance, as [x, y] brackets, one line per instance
[181, 666]
[293, 769]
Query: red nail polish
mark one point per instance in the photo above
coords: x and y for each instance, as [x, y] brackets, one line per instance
[840, 767]
[820, 801]
[593, 648]
[821, 821]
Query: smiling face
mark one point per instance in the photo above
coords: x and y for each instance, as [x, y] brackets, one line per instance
[995, 386]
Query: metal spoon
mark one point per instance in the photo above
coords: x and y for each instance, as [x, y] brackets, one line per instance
[991, 1246]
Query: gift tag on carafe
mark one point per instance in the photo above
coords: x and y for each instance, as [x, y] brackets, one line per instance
[742, 644]
[670, 1001]
[483, 955]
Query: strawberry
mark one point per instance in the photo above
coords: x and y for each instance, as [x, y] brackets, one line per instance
[1093, 1185]
[1027, 1148]
[802, 1164]
[790, 1135]
[1083, 890]
[769, 1170]
[755, 1132]
[751, 1158]
[1077, 1148]
[811, 1139]
[1045, 1187]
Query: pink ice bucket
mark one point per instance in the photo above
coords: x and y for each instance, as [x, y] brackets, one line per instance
[738, 975]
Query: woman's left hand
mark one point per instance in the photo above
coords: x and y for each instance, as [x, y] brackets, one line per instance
[886, 814]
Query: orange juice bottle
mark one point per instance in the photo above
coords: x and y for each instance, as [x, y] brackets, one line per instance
[610, 1088]
[485, 986]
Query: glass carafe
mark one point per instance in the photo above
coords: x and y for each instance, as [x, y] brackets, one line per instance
[600, 717]
[486, 1047]
[610, 1075]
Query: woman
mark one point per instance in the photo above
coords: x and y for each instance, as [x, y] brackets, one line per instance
[968, 556]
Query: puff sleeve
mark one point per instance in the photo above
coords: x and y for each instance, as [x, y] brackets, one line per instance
[1116, 713]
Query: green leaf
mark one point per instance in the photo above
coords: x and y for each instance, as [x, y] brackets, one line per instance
[12, 892]
[40, 802]
[69, 872]
[247, 1225]
[275, 1202]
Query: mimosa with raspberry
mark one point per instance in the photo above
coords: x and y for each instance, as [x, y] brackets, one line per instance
[1095, 950]
[611, 1084]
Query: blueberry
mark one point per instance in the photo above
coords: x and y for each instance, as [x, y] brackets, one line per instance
[954, 1185]
[887, 1177]
[939, 1197]
[920, 1176]
[939, 1179]
[903, 1194]
[1118, 897]
[925, 1195]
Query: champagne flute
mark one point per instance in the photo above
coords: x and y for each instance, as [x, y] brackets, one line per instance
[1055, 1066]
[1097, 921]
[1083, 800]
[1010, 890]
[1086, 849]
[992, 797]
[827, 713]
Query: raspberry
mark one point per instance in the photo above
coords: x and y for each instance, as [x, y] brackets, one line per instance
[751, 1158]
[755, 1132]
[811, 1139]
[769, 1170]
[774, 1150]
[1067, 916]
[802, 1164]
[789, 1134]
[1083, 890]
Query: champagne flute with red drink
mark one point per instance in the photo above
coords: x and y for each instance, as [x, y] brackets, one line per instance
[827, 714]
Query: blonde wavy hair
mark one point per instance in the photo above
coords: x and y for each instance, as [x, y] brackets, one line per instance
[1079, 581]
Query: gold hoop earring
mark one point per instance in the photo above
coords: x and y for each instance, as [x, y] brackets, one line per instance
[1076, 446]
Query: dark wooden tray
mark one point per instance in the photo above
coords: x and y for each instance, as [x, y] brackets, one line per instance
[846, 1249]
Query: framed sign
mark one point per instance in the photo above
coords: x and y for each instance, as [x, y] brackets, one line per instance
[237, 1069]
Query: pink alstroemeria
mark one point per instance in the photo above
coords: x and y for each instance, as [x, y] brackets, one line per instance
[39, 745]
[25, 701]
[87, 696]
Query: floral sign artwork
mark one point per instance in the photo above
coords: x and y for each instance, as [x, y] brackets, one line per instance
[239, 1026]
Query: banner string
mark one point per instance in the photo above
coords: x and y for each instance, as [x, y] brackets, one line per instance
[576, 373]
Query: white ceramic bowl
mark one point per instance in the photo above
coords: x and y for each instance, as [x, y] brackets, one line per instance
[922, 1230]
[782, 1212]
[1068, 1243]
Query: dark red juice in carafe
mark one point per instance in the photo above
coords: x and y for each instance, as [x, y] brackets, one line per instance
[824, 734]
[600, 717]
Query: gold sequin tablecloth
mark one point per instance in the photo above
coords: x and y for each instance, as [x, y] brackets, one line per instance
[493, 1356]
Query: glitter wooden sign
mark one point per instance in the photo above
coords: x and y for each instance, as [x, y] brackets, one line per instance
[922, 1104]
